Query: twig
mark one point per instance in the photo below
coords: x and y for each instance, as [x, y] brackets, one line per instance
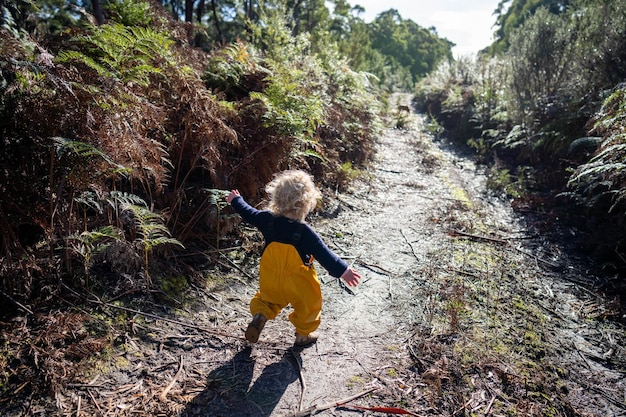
[550, 264]
[386, 410]
[235, 265]
[94, 401]
[478, 237]
[488, 409]
[409, 243]
[463, 407]
[581, 355]
[317, 408]
[167, 389]
[372, 267]
[23, 307]
[302, 381]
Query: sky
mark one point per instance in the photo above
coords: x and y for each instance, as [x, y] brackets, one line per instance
[467, 23]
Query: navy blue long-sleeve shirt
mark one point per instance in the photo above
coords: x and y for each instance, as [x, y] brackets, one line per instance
[282, 229]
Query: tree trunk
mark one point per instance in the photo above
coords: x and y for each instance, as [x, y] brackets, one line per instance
[296, 17]
[189, 10]
[97, 12]
[217, 22]
[200, 10]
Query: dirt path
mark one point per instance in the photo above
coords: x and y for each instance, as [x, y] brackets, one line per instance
[397, 331]
[442, 325]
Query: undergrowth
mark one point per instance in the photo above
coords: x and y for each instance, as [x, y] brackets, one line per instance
[120, 141]
[483, 343]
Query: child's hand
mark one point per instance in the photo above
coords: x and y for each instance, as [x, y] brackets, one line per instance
[351, 277]
[232, 195]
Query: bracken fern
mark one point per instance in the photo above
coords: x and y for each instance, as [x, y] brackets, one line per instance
[605, 174]
[128, 55]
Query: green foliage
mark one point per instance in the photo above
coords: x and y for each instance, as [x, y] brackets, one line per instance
[294, 95]
[516, 15]
[294, 107]
[300, 91]
[129, 12]
[152, 231]
[433, 127]
[502, 182]
[541, 55]
[603, 178]
[127, 55]
[89, 243]
[85, 151]
[466, 96]
[233, 71]
[347, 173]
[404, 42]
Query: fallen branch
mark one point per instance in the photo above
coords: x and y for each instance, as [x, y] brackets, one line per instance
[311, 411]
[22, 306]
[478, 237]
[386, 410]
[503, 242]
[372, 267]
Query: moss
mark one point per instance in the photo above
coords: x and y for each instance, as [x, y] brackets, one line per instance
[355, 380]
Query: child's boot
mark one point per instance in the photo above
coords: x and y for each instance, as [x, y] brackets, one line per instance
[255, 327]
[306, 340]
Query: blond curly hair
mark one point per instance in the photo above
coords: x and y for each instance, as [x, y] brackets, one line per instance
[292, 194]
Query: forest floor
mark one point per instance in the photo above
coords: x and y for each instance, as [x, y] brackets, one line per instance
[464, 309]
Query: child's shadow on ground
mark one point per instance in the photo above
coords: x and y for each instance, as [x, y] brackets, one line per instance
[228, 392]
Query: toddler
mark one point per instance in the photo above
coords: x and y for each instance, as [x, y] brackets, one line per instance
[287, 274]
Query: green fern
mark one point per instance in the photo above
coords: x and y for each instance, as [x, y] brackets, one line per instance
[604, 176]
[152, 231]
[130, 12]
[129, 55]
[124, 199]
[89, 243]
[88, 199]
[86, 150]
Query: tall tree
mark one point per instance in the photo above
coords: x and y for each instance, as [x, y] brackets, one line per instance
[516, 14]
[189, 10]
[97, 12]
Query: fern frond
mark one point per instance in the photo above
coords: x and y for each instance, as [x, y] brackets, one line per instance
[79, 148]
[150, 226]
[89, 243]
[89, 199]
[75, 56]
[611, 152]
[124, 199]
[217, 197]
[598, 169]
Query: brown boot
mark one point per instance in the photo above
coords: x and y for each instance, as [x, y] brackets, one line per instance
[254, 328]
[304, 341]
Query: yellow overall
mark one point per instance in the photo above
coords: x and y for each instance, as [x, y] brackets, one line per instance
[284, 280]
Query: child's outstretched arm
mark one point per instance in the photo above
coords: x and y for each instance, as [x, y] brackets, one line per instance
[351, 277]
